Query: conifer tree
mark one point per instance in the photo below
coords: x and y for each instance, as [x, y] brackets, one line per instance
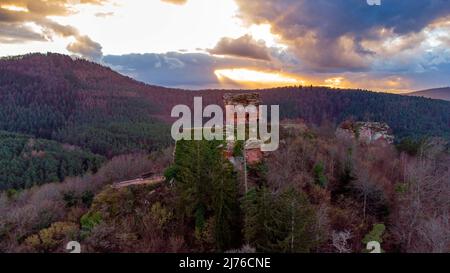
[279, 222]
[207, 188]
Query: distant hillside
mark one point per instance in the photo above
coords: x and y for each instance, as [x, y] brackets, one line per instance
[26, 161]
[438, 93]
[78, 102]
[82, 103]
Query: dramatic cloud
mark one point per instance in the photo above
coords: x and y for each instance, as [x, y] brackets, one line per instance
[17, 15]
[17, 33]
[400, 45]
[174, 69]
[199, 71]
[328, 35]
[244, 46]
[84, 46]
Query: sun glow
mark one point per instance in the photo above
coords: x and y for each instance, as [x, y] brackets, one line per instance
[256, 79]
[14, 8]
[335, 82]
[264, 32]
[157, 27]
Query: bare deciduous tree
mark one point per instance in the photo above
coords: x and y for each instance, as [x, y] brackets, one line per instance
[340, 241]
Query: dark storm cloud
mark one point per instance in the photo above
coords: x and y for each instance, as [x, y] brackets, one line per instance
[326, 35]
[13, 28]
[245, 47]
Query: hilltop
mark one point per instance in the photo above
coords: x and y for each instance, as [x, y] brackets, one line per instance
[437, 93]
[81, 103]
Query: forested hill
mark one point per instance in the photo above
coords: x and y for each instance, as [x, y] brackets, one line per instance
[438, 93]
[408, 116]
[82, 103]
[26, 162]
[78, 102]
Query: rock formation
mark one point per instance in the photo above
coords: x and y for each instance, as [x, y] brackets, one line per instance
[252, 148]
[366, 132]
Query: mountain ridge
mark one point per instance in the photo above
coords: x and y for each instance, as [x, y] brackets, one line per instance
[57, 97]
[442, 93]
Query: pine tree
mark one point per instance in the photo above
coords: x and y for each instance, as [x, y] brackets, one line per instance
[296, 220]
[279, 223]
[208, 191]
[257, 208]
[225, 202]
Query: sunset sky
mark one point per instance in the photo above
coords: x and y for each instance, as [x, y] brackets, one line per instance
[400, 46]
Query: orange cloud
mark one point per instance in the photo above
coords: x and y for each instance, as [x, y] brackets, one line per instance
[253, 78]
[245, 47]
[176, 2]
[241, 77]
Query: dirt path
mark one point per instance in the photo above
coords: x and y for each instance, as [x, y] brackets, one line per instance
[140, 181]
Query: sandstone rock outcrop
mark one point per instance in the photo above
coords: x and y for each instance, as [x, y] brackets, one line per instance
[252, 148]
[366, 132]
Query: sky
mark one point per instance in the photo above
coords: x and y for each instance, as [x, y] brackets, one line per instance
[398, 46]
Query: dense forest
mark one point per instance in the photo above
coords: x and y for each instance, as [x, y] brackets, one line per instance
[73, 104]
[316, 193]
[26, 161]
[79, 103]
